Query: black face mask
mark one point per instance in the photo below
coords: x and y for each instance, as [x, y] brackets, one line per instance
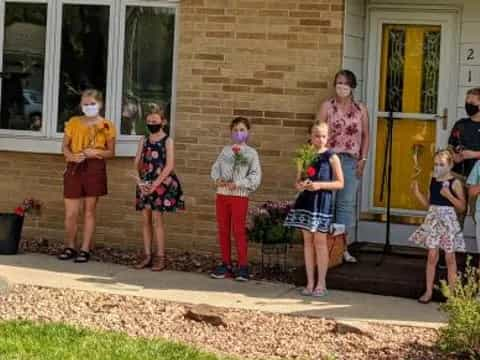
[154, 128]
[471, 109]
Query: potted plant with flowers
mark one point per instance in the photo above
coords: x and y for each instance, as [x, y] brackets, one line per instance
[11, 225]
[265, 226]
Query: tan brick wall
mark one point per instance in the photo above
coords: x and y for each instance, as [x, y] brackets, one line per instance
[269, 60]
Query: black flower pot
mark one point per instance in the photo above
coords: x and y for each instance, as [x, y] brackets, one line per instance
[10, 233]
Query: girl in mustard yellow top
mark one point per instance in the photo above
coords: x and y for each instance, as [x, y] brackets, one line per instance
[88, 141]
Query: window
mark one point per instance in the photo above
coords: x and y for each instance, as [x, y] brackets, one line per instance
[84, 51]
[51, 50]
[23, 64]
[147, 63]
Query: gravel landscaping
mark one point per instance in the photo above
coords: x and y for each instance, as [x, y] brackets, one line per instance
[246, 334]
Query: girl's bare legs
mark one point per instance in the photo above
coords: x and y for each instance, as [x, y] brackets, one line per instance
[147, 231]
[89, 210]
[321, 251]
[451, 261]
[432, 261]
[147, 238]
[309, 254]
[72, 209]
[159, 258]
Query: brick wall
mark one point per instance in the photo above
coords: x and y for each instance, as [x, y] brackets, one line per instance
[271, 60]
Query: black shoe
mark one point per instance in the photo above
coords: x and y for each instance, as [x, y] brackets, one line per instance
[223, 271]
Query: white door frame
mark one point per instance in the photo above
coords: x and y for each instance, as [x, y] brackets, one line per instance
[377, 17]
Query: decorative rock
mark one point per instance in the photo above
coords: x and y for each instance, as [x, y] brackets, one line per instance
[342, 327]
[205, 313]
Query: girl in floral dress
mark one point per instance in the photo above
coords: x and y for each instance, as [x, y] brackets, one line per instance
[313, 209]
[441, 229]
[158, 188]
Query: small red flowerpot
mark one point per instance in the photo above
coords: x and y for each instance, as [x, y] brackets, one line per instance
[10, 233]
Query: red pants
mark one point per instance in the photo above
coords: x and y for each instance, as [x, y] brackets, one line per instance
[232, 215]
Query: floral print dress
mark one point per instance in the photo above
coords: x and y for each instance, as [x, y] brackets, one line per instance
[168, 197]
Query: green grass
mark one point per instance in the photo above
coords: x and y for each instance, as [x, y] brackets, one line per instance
[30, 341]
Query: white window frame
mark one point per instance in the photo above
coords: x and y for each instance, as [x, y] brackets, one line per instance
[48, 140]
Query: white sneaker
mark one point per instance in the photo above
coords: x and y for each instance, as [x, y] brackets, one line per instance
[347, 257]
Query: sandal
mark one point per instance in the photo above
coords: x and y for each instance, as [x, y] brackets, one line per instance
[320, 292]
[145, 262]
[306, 292]
[67, 254]
[158, 263]
[83, 257]
[424, 301]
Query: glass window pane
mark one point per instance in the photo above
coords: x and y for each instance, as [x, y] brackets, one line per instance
[148, 64]
[83, 56]
[23, 66]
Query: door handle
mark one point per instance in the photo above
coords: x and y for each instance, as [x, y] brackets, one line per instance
[444, 118]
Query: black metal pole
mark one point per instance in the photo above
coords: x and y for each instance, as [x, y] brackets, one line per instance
[388, 160]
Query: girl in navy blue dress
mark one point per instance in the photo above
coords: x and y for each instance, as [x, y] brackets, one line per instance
[313, 210]
[158, 188]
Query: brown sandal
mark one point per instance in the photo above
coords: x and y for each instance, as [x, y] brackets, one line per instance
[158, 263]
[145, 262]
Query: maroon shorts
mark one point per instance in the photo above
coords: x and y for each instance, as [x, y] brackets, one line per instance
[85, 179]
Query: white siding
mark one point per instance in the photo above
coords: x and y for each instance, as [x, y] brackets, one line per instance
[354, 44]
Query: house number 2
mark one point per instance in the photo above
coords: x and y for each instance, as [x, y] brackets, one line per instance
[470, 54]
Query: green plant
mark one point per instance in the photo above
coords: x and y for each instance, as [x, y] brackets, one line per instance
[462, 333]
[304, 157]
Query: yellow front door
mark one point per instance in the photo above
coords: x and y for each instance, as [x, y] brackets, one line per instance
[409, 86]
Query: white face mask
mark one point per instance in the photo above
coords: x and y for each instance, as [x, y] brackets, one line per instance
[440, 171]
[343, 90]
[90, 110]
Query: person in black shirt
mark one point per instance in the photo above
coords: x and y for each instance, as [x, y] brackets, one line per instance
[465, 136]
[464, 141]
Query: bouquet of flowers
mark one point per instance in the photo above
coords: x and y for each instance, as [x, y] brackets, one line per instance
[304, 157]
[265, 223]
[28, 205]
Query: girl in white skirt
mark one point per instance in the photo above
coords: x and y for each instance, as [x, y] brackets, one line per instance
[441, 229]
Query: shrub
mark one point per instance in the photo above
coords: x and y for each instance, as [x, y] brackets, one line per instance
[462, 333]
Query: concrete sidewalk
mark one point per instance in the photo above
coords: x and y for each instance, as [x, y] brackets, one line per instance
[42, 270]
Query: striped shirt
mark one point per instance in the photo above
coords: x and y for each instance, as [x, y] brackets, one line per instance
[247, 177]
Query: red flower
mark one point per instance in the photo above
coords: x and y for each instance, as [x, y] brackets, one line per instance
[456, 134]
[236, 149]
[311, 171]
[19, 211]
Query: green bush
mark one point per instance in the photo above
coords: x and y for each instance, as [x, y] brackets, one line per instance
[462, 333]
